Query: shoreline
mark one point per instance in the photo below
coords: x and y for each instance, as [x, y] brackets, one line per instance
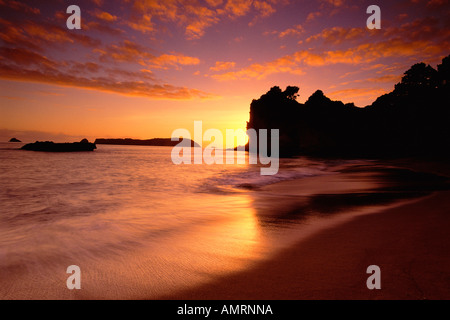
[409, 242]
[307, 240]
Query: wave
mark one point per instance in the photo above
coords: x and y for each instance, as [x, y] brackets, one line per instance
[250, 178]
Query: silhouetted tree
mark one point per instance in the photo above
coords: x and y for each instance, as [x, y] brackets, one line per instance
[274, 91]
[444, 71]
[419, 78]
[291, 92]
[318, 99]
[317, 96]
[413, 119]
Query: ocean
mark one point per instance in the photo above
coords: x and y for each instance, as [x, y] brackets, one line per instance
[137, 225]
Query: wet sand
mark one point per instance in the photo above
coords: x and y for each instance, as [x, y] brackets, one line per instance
[410, 243]
[356, 216]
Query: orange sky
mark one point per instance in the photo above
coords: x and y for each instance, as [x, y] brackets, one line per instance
[142, 69]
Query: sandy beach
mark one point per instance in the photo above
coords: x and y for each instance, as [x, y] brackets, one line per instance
[311, 237]
[410, 243]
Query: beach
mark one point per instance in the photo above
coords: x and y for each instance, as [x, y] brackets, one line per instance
[139, 227]
[409, 241]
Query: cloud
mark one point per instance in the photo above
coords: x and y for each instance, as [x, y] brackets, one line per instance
[370, 52]
[260, 71]
[195, 16]
[38, 36]
[264, 9]
[41, 46]
[34, 52]
[222, 65]
[338, 35]
[237, 8]
[143, 25]
[105, 16]
[23, 65]
[335, 3]
[202, 19]
[214, 3]
[24, 57]
[424, 38]
[359, 55]
[19, 6]
[166, 61]
[350, 56]
[327, 8]
[313, 16]
[102, 27]
[131, 52]
[294, 31]
[428, 28]
[126, 51]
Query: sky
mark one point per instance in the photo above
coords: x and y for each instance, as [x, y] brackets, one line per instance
[141, 69]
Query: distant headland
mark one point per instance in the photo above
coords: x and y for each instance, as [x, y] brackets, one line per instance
[49, 146]
[412, 120]
[163, 142]
[14, 140]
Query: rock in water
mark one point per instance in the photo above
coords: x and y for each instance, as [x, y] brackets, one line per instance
[49, 146]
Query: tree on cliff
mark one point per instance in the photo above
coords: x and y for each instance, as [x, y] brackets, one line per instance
[444, 72]
[420, 78]
[413, 119]
[291, 92]
[317, 98]
[275, 92]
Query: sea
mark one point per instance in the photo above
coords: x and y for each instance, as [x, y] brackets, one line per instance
[139, 226]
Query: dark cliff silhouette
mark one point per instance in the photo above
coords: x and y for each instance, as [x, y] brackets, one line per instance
[413, 119]
[49, 146]
[166, 142]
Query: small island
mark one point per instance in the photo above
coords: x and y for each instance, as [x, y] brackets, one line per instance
[14, 140]
[162, 142]
[50, 146]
